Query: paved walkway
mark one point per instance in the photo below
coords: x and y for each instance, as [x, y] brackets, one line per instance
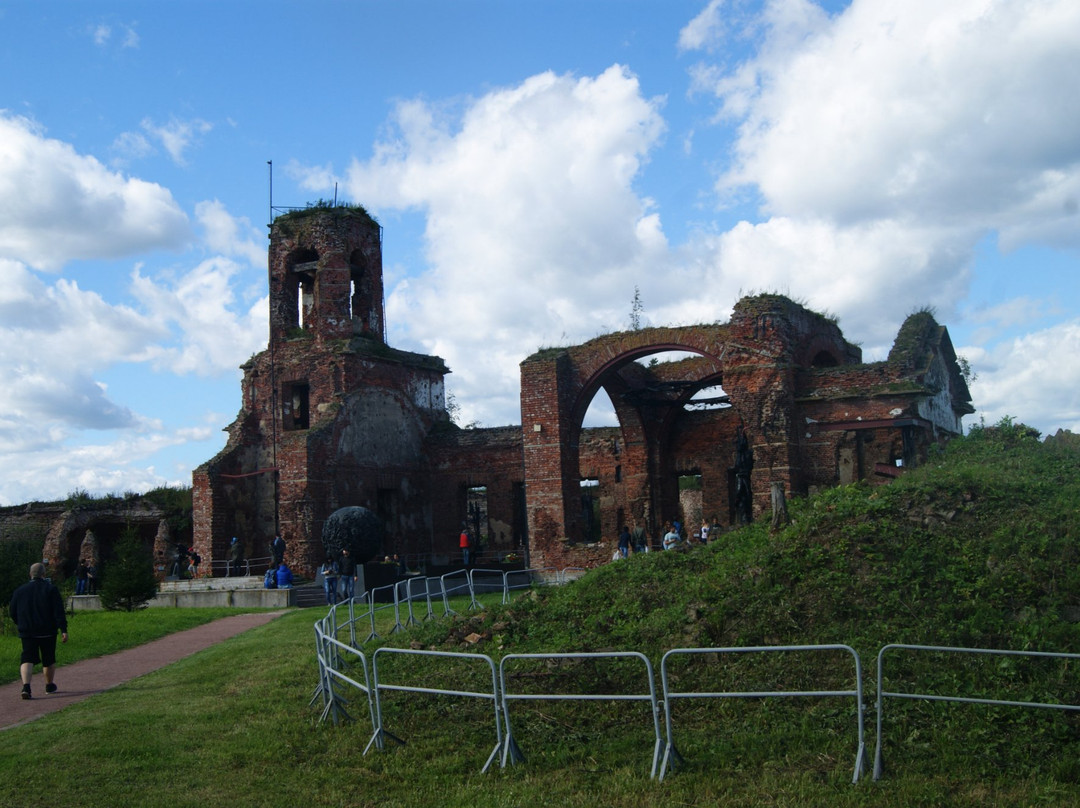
[80, 680]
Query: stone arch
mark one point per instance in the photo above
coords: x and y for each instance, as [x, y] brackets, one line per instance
[558, 385]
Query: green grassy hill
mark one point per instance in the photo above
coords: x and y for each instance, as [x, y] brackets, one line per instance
[976, 548]
[979, 547]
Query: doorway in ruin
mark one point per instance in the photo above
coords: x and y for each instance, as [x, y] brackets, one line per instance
[591, 516]
[476, 507]
[691, 503]
[657, 449]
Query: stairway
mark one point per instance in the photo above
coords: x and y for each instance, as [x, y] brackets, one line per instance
[310, 596]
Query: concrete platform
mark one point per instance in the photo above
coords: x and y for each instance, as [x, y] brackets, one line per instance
[244, 593]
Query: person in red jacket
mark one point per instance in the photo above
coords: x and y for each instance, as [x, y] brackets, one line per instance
[465, 543]
[38, 612]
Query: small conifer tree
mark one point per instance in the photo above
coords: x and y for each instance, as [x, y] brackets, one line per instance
[128, 580]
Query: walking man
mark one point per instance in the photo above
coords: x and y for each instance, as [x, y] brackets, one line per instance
[38, 612]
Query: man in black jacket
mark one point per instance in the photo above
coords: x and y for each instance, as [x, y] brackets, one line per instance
[38, 612]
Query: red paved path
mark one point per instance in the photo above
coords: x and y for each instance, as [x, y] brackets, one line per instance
[80, 680]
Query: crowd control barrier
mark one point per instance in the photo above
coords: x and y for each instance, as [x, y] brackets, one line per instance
[381, 684]
[883, 694]
[671, 754]
[331, 654]
[511, 751]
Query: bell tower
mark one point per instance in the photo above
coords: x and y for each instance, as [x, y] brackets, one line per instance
[326, 276]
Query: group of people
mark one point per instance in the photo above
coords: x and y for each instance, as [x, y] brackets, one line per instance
[279, 576]
[86, 578]
[185, 562]
[339, 577]
[674, 535]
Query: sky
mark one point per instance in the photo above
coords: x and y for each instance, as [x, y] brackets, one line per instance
[534, 165]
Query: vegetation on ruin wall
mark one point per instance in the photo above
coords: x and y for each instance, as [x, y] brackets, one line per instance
[320, 207]
[174, 502]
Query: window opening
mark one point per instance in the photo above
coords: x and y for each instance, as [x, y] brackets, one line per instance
[295, 406]
[590, 509]
[477, 505]
[691, 495]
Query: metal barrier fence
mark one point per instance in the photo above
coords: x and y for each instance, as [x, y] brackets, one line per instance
[338, 660]
[331, 654]
[671, 754]
[512, 752]
[449, 589]
[882, 694]
[367, 607]
[380, 733]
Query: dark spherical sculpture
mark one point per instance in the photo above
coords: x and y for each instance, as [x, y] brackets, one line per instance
[356, 528]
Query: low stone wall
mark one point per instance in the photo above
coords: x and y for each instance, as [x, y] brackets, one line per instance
[203, 598]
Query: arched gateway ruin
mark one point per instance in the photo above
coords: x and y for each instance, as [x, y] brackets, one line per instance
[333, 416]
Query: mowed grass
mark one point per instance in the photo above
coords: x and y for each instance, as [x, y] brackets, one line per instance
[234, 725]
[96, 633]
[979, 547]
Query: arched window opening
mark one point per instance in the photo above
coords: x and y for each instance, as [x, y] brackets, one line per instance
[712, 397]
[601, 411]
[302, 271]
[824, 359]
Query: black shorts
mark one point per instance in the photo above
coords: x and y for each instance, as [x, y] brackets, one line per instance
[39, 649]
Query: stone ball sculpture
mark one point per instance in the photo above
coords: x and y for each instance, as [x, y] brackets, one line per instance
[356, 528]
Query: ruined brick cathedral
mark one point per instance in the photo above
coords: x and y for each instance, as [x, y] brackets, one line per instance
[333, 416]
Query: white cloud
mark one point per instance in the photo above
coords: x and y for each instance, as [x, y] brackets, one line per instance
[231, 235]
[963, 113]
[102, 34]
[57, 341]
[705, 29]
[1030, 378]
[200, 304]
[57, 205]
[534, 232]
[177, 136]
[884, 143]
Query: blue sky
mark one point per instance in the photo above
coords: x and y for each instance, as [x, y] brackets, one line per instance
[532, 164]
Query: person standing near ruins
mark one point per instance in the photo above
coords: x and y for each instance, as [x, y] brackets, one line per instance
[465, 543]
[236, 555]
[671, 537]
[81, 577]
[624, 542]
[277, 550]
[38, 612]
[347, 568]
[329, 572]
[638, 538]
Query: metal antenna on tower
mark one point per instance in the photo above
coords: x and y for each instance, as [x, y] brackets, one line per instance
[273, 372]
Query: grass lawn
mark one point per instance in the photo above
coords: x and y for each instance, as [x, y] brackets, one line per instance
[232, 725]
[96, 633]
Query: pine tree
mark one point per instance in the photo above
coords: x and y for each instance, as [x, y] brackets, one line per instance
[128, 580]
